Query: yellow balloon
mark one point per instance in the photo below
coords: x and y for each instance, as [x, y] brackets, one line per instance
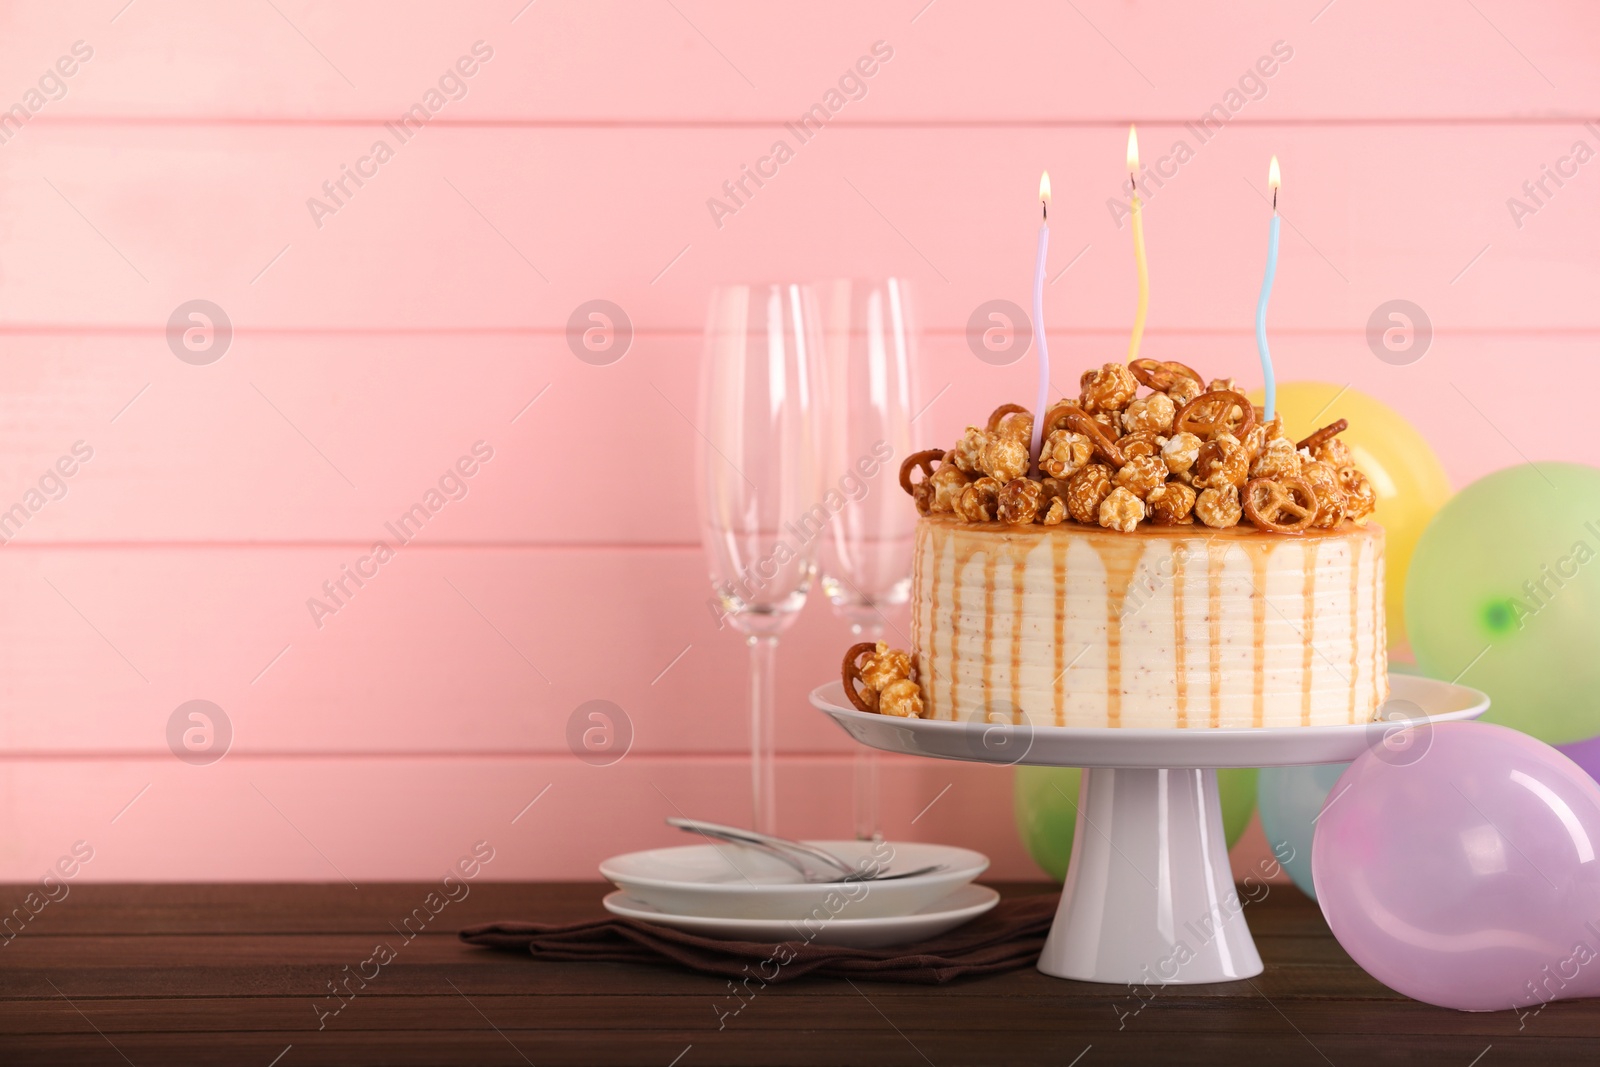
[1405, 472]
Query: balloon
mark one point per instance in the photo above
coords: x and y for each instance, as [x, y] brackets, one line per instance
[1045, 803]
[1504, 596]
[1585, 754]
[1289, 799]
[1404, 470]
[1459, 869]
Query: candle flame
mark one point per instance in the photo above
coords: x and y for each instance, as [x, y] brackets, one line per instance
[1133, 150]
[1044, 187]
[1274, 176]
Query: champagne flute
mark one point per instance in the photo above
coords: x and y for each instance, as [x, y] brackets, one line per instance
[866, 557]
[760, 469]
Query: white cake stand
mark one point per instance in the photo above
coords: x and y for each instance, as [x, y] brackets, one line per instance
[1149, 896]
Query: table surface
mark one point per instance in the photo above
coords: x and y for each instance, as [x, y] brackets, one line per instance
[175, 974]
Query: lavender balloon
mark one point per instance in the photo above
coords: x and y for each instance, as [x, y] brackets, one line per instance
[1457, 866]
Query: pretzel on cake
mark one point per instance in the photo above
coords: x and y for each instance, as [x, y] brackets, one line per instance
[1162, 375]
[1324, 435]
[1268, 500]
[923, 461]
[1212, 412]
[852, 674]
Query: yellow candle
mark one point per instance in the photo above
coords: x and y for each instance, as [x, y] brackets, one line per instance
[1138, 249]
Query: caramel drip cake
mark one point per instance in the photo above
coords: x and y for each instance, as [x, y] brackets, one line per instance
[1166, 560]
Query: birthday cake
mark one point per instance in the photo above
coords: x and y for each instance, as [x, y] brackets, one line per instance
[1170, 559]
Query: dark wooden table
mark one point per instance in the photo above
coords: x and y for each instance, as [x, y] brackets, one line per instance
[178, 974]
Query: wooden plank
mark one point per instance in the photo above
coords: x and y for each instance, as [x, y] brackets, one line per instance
[516, 227]
[720, 61]
[446, 650]
[375, 819]
[215, 454]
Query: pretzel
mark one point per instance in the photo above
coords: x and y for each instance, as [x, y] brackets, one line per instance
[1162, 375]
[1001, 412]
[1211, 412]
[852, 673]
[1080, 421]
[1056, 417]
[1324, 435]
[924, 460]
[1267, 500]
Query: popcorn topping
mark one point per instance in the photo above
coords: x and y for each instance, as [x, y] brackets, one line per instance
[1184, 450]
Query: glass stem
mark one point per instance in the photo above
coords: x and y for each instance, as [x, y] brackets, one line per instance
[763, 716]
[865, 792]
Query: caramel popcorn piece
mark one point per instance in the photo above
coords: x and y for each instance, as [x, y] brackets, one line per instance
[1120, 511]
[884, 666]
[1221, 385]
[1108, 389]
[902, 699]
[1005, 458]
[923, 495]
[1219, 508]
[1017, 425]
[1021, 499]
[1324, 483]
[1064, 453]
[1275, 427]
[1139, 443]
[1255, 441]
[1055, 514]
[1153, 413]
[969, 450]
[978, 501]
[1184, 390]
[1171, 504]
[1222, 461]
[1334, 452]
[948, 482]
[1360, 499]
[1181, 450]
[1140, 475]
[1277, 460]
[1085, 492]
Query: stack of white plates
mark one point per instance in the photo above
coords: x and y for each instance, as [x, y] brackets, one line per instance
[741, 894]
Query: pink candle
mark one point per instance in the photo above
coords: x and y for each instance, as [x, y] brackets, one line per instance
[1038, 317]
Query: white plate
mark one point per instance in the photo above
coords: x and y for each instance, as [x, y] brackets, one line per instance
[1413, 702]
[732, 882]
[964, 905]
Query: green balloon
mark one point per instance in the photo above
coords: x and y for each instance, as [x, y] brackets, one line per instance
[1504, 595]
[1045, 801]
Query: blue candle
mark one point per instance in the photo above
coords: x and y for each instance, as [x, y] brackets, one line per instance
[1269, 384]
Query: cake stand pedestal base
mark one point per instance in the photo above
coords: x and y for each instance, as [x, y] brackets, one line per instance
[1149, 897]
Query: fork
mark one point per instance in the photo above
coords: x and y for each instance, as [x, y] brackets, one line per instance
[795, 853]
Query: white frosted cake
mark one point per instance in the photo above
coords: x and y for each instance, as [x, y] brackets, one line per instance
[1165, 560]
[1168, 627]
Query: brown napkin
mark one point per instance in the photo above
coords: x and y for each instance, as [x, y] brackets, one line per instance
[1004, 939]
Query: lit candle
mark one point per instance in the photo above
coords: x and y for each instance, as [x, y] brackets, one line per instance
[1268, 384]
[1038, 315]
[1138, 248]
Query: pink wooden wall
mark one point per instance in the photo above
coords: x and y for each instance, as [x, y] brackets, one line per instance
[376, 344]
